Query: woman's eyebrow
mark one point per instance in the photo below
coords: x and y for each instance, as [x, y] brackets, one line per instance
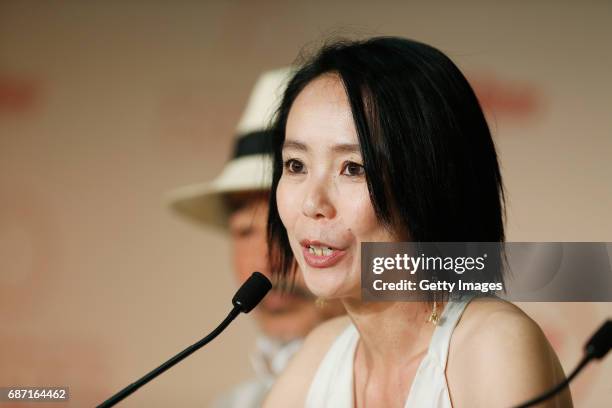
[347, 148]
[292, 144]
[338, 148]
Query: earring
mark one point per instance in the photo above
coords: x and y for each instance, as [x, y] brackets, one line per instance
[434, 317]
[320, 302]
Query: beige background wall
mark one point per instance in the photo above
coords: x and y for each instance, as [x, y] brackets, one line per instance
[104, 106]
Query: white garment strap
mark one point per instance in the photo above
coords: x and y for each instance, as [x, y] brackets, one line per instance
[440, 340]
[332, 386]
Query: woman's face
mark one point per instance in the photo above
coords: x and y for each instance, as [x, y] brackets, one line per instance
[322, 195]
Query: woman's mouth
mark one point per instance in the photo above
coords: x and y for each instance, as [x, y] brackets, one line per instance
[320, 255]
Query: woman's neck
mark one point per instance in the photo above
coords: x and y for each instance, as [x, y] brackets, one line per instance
[391, 332]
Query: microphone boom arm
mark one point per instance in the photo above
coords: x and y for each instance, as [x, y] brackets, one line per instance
[252, 291]
[170, 363]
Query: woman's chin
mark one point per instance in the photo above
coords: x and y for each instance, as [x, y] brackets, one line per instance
[326, 283]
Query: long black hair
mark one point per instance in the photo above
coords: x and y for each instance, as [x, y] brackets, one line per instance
[430, 162]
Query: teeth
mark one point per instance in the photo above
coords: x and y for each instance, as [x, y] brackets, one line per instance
[319, 251]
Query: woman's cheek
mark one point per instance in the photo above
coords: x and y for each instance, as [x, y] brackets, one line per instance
[286, 203]
[358, 212]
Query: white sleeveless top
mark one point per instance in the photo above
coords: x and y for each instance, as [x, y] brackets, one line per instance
[332, 385]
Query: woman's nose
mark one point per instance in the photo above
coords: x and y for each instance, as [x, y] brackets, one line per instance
[317, 203]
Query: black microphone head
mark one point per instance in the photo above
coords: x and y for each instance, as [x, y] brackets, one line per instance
[251, 292]
[601, 341]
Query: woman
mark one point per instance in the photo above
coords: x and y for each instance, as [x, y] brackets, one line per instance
[384, 140]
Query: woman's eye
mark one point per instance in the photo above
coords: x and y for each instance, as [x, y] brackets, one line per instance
[294, 166]
[353, 169]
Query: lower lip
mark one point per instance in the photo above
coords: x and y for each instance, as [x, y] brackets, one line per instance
[322, 261]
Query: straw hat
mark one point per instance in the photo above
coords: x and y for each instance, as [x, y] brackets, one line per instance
[250, 168]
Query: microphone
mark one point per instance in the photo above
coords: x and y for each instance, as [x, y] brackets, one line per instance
[251, 292]
[596, 348]
[246, 298]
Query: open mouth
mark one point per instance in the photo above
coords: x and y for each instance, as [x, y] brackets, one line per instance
[320, 255]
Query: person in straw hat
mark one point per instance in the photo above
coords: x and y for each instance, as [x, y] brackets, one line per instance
[237, 202]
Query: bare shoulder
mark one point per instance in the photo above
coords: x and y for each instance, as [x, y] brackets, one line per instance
[291, 388]
[487, 319]
[498, 353]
